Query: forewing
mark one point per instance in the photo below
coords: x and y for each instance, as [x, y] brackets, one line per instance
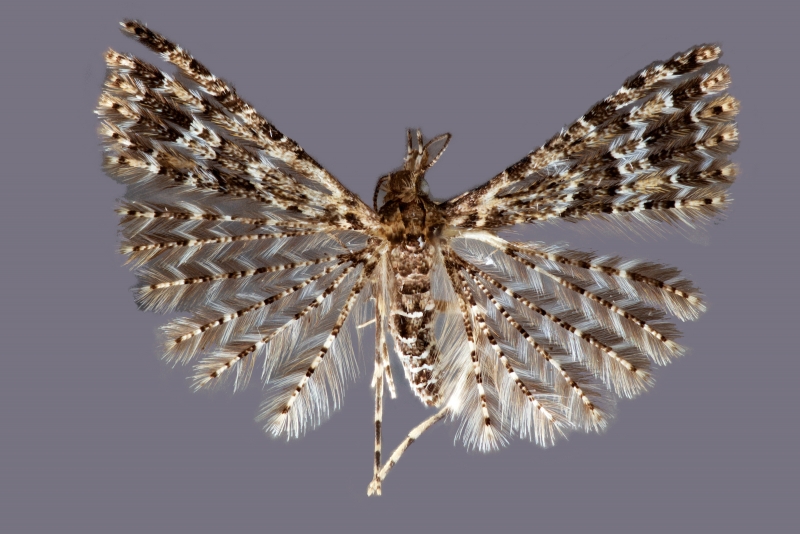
[656, 150]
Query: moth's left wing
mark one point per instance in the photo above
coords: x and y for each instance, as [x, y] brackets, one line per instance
[654, 150]
[229, 220]
[232, 148]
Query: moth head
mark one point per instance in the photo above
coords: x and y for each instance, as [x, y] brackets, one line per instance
[408, 182]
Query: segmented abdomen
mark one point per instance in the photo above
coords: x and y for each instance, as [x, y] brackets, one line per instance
[411, 316]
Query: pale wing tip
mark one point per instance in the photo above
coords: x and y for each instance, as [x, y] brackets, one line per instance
[705, 53]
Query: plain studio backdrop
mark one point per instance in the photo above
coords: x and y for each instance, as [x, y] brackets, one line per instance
[98, 435]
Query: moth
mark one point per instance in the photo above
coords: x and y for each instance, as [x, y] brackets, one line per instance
[278, 265]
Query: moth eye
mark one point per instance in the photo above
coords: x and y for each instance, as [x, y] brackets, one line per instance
[424, 188]
[381, 188]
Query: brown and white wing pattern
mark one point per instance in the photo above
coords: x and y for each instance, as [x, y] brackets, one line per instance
[555, 335]
[272, 259]
[559, 334]
[656, 150]
[229, 220]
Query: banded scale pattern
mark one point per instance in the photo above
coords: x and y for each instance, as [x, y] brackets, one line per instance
[275, 263]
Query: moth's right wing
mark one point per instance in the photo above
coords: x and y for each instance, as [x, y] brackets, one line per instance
[655, 150]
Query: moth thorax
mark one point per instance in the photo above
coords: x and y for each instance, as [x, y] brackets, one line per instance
[408, 183]
[404, 186]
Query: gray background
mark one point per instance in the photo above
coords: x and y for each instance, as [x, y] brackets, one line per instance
[98, 435]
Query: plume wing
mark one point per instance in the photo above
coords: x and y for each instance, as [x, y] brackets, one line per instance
[656, 150]
[226, 218]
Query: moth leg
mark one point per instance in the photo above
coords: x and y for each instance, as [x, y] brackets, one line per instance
[377, 379]
[385, 365]
[374, 489]
[381, 313]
